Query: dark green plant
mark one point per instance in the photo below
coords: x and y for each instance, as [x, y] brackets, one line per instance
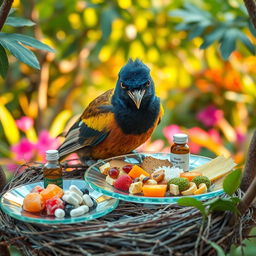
[15, 43]
[225, 24]
[229, 203]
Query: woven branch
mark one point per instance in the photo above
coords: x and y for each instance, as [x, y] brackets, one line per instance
[131, 229]
[251, 8]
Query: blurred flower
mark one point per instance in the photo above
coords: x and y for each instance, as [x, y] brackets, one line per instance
[208, 140]
[45, 142]
[27, 151]
[170, 130]
[210, 116]
[24, 150]
[155, 146]
[25, 123]
[240, 136]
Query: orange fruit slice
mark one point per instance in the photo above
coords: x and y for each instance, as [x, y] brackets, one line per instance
[190, 175]
[33, 202]
[202, 188]
[136, 171]
[154, 190]
[50, 191]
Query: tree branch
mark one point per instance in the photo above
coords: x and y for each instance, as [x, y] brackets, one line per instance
[251, 8]
[247, 198]
[4, 11]
[250, 165]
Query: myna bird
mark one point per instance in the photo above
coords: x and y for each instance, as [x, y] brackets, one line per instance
[119, 120]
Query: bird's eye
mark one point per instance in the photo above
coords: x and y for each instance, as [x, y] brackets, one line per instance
[122, 85]
[148, 83]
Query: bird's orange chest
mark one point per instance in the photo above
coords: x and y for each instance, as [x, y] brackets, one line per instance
[118, 143]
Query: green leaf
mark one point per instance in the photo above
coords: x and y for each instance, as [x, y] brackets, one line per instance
[27, 40]
[219, 250]
[228, 43]
[232, 182]
[246, 41]
[197, 29]
[20, 52]
[223, 204]
[106, 20]
[192, 8]
[18, 22]
[183, 26]
[4, 64]
[190, 201]
[187, 15]
[252, 28]
[216, 34]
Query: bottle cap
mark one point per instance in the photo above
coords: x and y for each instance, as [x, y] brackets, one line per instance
[180, 138]
[52, 154]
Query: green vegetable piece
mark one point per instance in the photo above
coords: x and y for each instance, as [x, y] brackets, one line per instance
[183, 183]
[202, 179]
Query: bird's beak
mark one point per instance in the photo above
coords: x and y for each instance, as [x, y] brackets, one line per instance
[137, 96]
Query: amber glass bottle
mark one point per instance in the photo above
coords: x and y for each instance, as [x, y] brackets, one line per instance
[52, 170]
[180, 151]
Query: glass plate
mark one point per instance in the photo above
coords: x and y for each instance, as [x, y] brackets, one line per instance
[97, 180]
[11, 203]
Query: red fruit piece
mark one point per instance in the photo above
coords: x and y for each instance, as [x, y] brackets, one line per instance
[52, 204]
[123, 182]
[113, 173]
[127, 168]
[37, 189]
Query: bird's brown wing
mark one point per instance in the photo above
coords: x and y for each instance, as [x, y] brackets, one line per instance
[92, 127]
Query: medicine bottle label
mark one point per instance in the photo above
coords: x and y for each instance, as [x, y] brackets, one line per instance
[180, 161]
[56, 181]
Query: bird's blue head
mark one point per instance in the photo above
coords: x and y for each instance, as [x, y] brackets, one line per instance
[135, 86]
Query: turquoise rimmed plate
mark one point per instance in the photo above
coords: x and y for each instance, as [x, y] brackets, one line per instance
[97, 180]
[11, 203]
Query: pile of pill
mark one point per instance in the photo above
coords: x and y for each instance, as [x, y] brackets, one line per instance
[77, 203]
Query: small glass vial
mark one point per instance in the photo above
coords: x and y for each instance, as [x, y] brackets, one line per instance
[52, 170]
[180, 151]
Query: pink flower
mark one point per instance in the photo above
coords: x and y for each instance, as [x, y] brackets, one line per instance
[170, 130]
[240, 136]
[45, 142]
[24, 150]
[25, 123]
[215, 135]
[153, 146]
[210, 116]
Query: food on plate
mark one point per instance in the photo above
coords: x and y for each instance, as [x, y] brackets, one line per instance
[170, 172]
[54, 201]
[174, 189]
[37, 189]
[136, 187]
[202, 179]
[192, 188]
[190, 175]
[50, 191]
[33, 202]
[202, 188]
[216, 168]
[123, 182]
[136, 171]
[154, 190]
[182, 183]
[157, 178]
[150, 163]
[53, 204]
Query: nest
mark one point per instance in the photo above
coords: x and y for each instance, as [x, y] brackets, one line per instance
[131, 229]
